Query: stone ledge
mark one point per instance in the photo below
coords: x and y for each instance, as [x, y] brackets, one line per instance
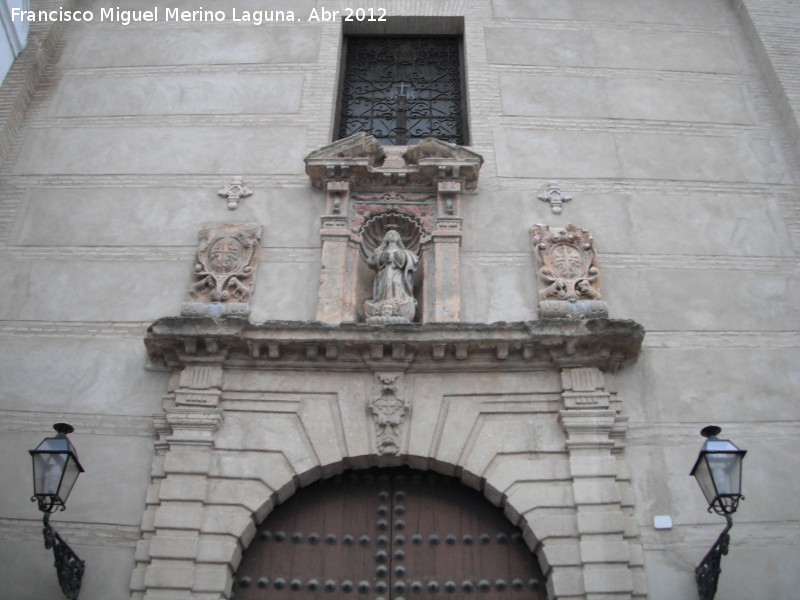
[522, 346]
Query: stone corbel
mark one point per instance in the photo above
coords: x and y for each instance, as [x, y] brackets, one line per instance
[199, 385]
[338, 199]
[449, 198]
[587, 418]
[584, 388]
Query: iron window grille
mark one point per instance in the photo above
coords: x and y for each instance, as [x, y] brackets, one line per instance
[402, 89]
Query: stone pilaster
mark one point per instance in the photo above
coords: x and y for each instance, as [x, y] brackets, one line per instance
[339, 258]
[443, 284]
[337, 295]
[608, 556]
[169, 562]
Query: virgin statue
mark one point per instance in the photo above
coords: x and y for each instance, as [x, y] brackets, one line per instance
[393, 289]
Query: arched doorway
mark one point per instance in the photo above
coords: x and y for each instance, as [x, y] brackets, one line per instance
[391, 534]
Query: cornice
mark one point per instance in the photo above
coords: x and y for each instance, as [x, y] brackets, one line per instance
[361, 160]
[607, 344]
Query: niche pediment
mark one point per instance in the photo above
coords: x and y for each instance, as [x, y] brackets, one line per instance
[362, 160]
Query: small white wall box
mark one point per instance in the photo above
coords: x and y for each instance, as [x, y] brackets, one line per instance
[662, 522]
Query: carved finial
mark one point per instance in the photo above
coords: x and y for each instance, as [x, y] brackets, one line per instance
[235, 191]
[554, 196]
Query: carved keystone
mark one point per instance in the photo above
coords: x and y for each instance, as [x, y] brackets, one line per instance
[388, 414]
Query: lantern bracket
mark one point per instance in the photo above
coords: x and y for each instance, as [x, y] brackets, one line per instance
[708, 571]
[68, 565]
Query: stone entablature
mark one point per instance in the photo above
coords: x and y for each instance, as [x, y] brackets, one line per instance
[371, 188]
[535, 345]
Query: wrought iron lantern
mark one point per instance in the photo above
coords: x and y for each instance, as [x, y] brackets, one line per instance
[55, 470]
[718, 471]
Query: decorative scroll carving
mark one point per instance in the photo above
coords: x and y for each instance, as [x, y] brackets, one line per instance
[568, 273]
[225, 270]
[388, 413]
[393, 288]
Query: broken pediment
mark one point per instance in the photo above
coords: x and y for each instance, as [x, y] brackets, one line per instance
[368, 165]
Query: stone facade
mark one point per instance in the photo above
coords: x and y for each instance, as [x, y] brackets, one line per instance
[671, 128]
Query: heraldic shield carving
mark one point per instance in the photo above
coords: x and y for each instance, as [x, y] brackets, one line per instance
[568, 273]
[388, 413]
[225, 270]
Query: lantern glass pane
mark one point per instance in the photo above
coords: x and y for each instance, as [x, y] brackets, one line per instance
[47, 472]
[49, 461]
[726, 468]
[70, 477]
[705, 480]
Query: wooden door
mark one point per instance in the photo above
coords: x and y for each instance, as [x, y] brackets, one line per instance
[390, 534]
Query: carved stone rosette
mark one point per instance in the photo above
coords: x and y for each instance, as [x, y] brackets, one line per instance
[225, 271]
[388, 413]
[568, 273]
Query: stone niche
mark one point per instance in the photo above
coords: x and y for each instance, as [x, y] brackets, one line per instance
[373, 189]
